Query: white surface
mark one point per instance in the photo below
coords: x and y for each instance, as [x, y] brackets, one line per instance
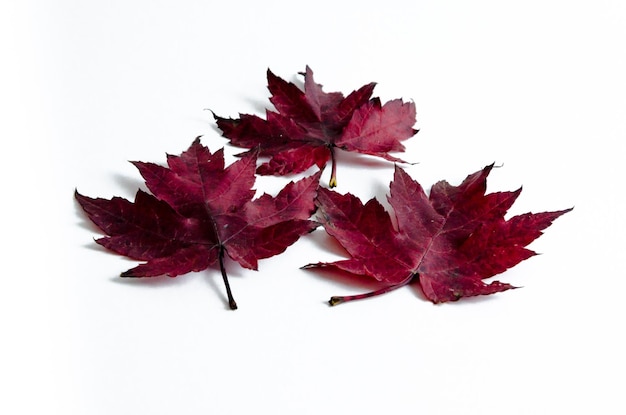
[86, 85]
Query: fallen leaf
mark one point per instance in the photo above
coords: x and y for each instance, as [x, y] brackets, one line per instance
[448, 242]
[198, 211]
[308, 126]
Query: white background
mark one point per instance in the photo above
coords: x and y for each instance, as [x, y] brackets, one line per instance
[536, 86]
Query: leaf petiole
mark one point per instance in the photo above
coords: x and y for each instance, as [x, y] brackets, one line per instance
[343, 299]
[333, 172]
[231, 301]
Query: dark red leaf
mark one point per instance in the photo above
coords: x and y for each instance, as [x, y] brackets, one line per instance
[449, 241]
[309, 125]
[198, 211]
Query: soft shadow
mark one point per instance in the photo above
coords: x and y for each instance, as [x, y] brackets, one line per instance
[473, 300]
[211, 276]
[211, 280]
[94, 246]
[216, 129]
[87, 224]
[130, 184]
[261, 107]
[152, 282]
[326, 242]
[417, 290]
[346, 280]
[356, 159]
[381, 192]
[298, 79]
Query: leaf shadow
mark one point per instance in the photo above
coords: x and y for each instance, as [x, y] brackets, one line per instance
[210, 276]
[261, 107]
[213, 279]
[217, 130]
[298, 80]
[322, 240]
[381, 191]
[361, 161]
[211, 282]
[96, 247]
[129, 184]
[368, 160]
[150, 282]
[346, 280]
[419, 293]
[479, 299]
[415, 287]
[83, 223]
[327, 243]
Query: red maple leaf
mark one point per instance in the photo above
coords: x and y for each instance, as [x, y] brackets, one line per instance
[309, 125]
[198, 211]
[449, 241]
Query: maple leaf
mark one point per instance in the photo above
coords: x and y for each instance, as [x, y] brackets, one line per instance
[198, 211]
[310, 125]
[449, 241]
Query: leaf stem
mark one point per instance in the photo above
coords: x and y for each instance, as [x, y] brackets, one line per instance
[343, 299]
[333, 171]
[231, 301]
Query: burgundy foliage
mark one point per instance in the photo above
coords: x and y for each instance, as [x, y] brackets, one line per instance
[448, 242]
[200, 210]
[308, 126]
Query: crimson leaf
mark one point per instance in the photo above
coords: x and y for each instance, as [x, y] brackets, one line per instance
[449, 241]
[198, 211]
[309, 125]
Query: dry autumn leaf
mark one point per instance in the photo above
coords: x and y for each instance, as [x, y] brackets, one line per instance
[309, 126]
[448, 242]
[199, 211]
